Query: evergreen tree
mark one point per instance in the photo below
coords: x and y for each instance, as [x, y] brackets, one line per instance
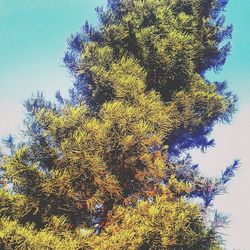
[105, 168]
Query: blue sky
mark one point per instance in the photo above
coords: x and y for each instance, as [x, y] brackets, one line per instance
[33, 38]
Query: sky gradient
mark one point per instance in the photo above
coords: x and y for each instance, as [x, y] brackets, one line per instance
[33, 41]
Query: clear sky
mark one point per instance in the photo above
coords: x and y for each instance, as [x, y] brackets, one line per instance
[33, 36]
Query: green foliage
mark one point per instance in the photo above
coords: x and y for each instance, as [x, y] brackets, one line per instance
[14, 236]
[162, 224]
[102, 170]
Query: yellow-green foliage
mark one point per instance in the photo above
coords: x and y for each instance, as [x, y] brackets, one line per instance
[157, 224]
[160, 223]
[14, 236]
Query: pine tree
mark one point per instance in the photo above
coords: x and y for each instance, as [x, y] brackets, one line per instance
[106, 168]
